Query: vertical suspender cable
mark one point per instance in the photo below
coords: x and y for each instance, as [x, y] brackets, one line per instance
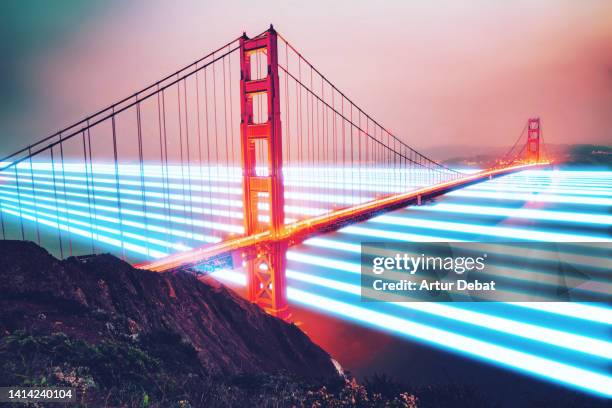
[19, 202]
[34, 196]
[180, 123]
[161, 163]
[231, 115]
[59, 230]
[91, 221]
[208, 162]
[63, 172]
[199, 129]
[2, 220]
[214, 79]
[287, 120]
[93, 177]
[142, 179]
[117, 186]
[225, 128]
[190, 185]
[166, 180]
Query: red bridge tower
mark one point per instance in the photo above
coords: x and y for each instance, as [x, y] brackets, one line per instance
[533, 140]
[266, 267]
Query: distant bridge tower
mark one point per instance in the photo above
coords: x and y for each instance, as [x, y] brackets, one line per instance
[266, 267]
[533, 140]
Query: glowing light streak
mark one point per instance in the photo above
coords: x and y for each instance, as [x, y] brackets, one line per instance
[583, 344]
[503, 232]
[517, 360]
[543, 197]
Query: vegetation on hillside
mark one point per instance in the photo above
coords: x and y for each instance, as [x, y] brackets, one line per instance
[161, 370]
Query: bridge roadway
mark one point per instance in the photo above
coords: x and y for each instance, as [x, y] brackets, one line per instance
[298, 231]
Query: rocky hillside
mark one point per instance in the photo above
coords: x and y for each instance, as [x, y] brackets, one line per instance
[131, 335]
[124, 337]
[102, 297]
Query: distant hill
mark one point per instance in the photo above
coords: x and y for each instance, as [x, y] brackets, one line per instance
[588, 155]
[565, 155]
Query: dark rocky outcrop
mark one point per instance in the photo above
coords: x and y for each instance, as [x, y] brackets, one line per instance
[102, 298]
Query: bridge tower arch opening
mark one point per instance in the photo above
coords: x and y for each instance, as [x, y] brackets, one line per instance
[262, 173]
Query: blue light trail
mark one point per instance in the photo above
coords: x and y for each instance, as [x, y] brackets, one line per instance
[561, 342]
[567, 343]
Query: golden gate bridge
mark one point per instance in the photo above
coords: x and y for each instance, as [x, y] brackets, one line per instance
[294, 137]
[228, 163]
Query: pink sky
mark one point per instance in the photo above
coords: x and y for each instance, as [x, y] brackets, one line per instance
[435, 73]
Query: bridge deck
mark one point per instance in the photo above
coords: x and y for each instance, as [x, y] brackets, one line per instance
[301, 230]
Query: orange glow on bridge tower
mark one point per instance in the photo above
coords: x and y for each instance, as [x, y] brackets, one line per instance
[266, 266]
